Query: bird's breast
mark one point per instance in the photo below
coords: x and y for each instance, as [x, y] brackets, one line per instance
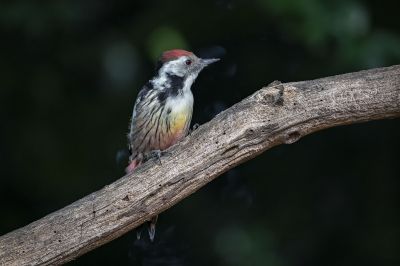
[178, 116]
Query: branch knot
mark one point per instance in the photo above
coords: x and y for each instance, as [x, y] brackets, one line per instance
[273, 94]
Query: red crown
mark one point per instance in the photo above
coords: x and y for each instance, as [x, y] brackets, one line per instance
[174, 54]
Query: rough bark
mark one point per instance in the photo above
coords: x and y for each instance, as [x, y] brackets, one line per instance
[277, 114]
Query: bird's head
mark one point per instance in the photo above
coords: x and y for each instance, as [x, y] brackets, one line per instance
[182, 63]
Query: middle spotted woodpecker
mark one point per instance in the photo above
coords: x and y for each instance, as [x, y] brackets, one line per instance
[163, 108]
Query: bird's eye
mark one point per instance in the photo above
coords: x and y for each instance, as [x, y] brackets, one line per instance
[188, 62]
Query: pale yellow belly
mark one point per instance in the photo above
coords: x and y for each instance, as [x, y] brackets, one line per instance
[179, 122]
[177, 117]
[178, 127]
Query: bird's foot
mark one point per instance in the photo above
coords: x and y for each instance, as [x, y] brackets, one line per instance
[195, 126]
[156, 154]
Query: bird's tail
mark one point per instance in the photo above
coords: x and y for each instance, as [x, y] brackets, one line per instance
[152, 223]
[151, 228]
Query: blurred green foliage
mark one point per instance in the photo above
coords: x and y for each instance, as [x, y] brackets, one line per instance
[69, 75]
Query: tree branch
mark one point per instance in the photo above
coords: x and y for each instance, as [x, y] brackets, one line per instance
[277, 114]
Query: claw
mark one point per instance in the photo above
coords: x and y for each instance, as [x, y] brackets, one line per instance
[195, 126]
[157, 154]
[154, 154]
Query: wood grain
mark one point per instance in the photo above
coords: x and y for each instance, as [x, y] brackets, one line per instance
[277, 114]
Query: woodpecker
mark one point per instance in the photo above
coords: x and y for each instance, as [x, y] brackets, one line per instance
[163, 108]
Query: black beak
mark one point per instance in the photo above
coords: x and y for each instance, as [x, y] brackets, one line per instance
[206, 62]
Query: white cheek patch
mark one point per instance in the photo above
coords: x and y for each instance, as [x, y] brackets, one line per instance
[175, 67]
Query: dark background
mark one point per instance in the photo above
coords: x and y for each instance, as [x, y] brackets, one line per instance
[69, 75]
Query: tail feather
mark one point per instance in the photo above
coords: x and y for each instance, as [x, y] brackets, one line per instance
[152, 223]
[152, 227]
